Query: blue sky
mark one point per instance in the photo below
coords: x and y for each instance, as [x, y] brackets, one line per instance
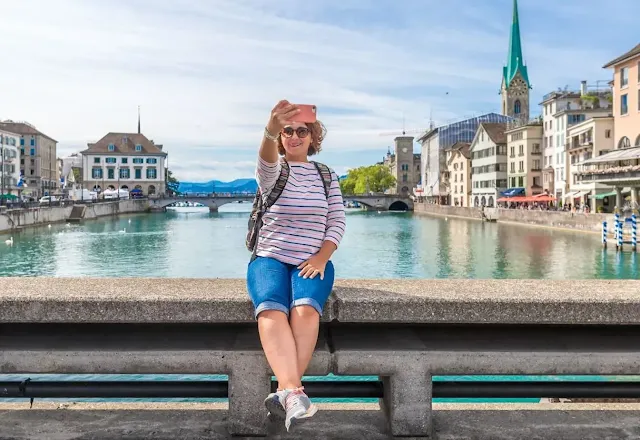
[207, 72]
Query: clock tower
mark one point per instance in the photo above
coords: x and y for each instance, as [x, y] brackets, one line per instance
[515, 77]
[405, 167]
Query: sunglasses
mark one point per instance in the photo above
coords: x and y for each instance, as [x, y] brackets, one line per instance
[302, 132]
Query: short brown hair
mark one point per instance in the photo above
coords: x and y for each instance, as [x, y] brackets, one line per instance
[317, 131]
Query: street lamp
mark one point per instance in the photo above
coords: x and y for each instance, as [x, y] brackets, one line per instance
[118, 171]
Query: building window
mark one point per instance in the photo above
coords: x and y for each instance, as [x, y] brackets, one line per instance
[110, 173]
[517, 107]
[96, 173]
[138, 160]
[405, 178]
[112, 147]
[138, 173]
[21, 141]
[124, 173]
[33, 152]
[138, 147]
[607, 134]
[125, 160]
[624, 104]
[111, 160]
[624, 142]
[638, 141]
[33, 141]
[624, 77]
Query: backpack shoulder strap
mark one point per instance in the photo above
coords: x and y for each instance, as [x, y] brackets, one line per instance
[277, 189]
[327, 178]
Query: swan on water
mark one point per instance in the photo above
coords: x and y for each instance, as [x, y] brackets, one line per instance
[9, 242]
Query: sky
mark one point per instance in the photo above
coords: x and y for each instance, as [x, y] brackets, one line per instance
[206, 73]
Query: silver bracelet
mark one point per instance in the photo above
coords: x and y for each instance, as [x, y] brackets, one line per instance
[269, 135]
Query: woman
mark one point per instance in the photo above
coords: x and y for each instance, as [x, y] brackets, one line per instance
[291, 276]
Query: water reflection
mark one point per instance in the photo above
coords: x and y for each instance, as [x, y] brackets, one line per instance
[199, 244]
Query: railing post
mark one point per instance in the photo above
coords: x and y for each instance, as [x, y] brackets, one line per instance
[249, 384]
[604, 234]
[407, 400]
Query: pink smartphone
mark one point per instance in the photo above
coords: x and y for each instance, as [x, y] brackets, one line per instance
[307, 113]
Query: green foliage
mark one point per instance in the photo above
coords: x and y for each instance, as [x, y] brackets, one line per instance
[373, 178]
[172, 183]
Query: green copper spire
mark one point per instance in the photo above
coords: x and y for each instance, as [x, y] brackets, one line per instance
[515, 62]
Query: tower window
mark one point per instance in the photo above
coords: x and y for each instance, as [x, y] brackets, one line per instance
[517, 107]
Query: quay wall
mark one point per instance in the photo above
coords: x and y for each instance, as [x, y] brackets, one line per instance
[43, 215]
[566, 220]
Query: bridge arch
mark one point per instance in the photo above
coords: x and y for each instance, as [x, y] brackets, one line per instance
[398, 205]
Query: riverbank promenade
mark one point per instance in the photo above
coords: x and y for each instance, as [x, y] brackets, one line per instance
[405, 332]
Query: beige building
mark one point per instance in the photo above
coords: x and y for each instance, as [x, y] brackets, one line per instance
[524, 146]
[459, 174]
[37, 159]
[591, 138]
[620, 168]
[124, 161]
[404, 166]
[626, 98]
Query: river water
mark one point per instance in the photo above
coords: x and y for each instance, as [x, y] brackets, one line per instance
[193, 243]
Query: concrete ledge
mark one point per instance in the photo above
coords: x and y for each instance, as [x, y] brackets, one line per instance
[165, 300]
[196, 424]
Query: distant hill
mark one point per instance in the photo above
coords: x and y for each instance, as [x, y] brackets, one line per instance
[236, 186]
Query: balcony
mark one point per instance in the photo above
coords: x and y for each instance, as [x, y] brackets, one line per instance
[610, 175]
[536, 152]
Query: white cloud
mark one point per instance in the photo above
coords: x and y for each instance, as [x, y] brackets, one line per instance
[208, 72]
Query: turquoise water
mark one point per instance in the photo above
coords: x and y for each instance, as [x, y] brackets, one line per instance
[194, 243]
[198, 244]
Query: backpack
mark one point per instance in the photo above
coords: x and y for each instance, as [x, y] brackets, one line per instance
[262, 202]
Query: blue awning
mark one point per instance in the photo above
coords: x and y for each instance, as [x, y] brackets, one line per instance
[513, 192]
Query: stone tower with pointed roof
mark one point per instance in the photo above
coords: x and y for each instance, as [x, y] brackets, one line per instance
[515, 78]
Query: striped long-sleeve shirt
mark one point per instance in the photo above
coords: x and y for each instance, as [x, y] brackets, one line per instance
[302, 218]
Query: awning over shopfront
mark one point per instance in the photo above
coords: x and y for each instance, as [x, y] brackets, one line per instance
[616, 155]
[609, 194]
[511, 192]
[540, 198]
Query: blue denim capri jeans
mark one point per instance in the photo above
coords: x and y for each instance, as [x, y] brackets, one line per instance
[274, 285]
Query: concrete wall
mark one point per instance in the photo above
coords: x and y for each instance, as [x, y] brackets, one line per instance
[591, 222]
[447, 211]
[45, 215]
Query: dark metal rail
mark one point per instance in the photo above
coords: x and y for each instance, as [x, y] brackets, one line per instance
[318, 389]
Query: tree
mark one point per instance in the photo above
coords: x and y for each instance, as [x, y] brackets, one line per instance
[172, 183]
[373, 178]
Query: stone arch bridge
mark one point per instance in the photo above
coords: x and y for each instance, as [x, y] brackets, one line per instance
[213, 202]
[382, 202]
[373, 202]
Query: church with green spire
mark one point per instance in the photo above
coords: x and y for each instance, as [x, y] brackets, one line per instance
[515, 78]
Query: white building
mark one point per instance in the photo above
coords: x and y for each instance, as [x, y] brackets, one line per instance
[9, 162]
[124, 161]
[562, 110]
[489, 162]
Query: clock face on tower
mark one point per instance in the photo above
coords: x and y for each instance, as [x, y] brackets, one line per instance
[518, 88]
[404, 150]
